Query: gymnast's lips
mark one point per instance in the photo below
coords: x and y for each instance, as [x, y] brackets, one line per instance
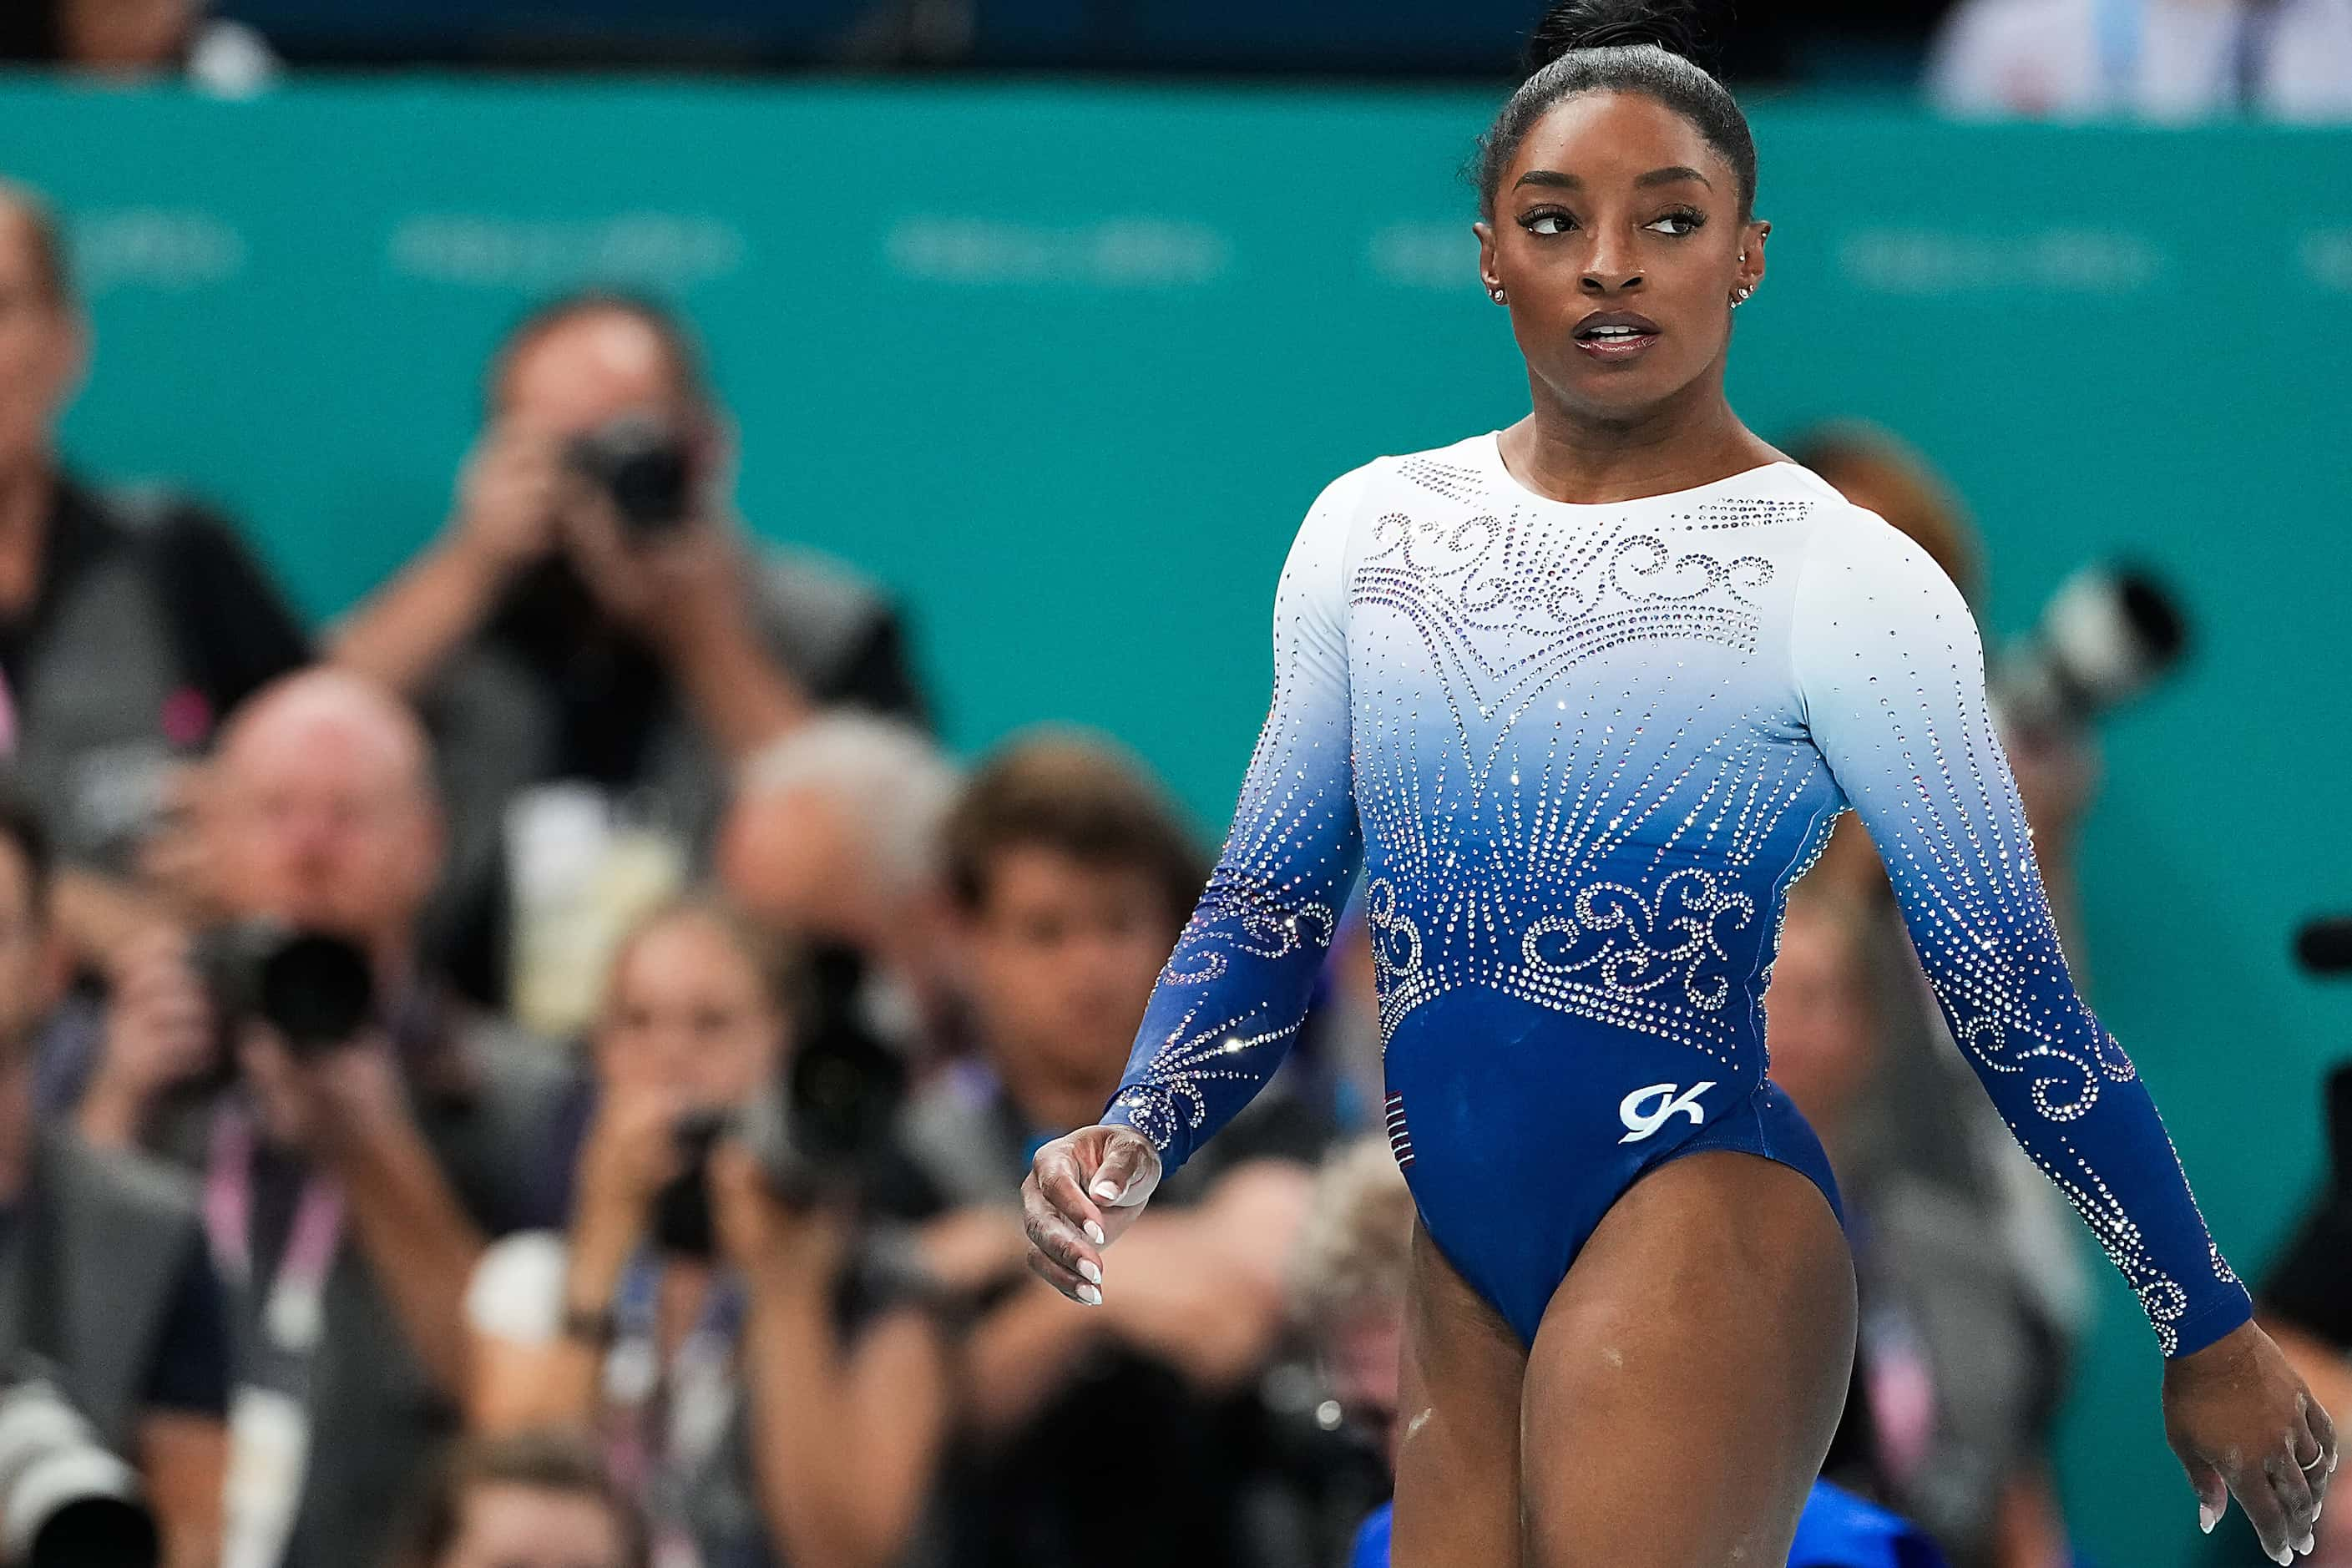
[1616, 335]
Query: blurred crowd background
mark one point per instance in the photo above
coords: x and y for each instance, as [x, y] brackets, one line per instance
[626, 630]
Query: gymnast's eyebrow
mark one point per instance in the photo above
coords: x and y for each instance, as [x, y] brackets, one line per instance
[1666, 176]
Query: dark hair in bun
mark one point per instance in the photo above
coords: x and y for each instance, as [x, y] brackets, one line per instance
[1618, 46]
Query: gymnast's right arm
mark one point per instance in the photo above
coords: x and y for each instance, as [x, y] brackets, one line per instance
[1232, 998]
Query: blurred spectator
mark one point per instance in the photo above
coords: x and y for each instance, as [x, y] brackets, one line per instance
[833, 835]
[2305, 1302]
[349, 1191]
[1348, 1281]
[102, 1259]
[141, 40]
[757, 1380]
[536, 1499]
[589, 679]
[1070, 875]
[129, 625]
[2152, 59]
[1957, 1373]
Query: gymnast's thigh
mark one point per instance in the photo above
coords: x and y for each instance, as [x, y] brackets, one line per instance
[1689, 1372]
[1457, 1482]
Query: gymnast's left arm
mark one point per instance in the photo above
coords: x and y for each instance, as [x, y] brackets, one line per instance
[1890, 672]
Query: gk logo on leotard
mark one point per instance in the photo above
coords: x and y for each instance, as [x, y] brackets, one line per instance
[1673, 1101]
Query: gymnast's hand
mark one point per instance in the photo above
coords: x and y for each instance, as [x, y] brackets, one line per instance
[2242, 1421]
[1082, 1193]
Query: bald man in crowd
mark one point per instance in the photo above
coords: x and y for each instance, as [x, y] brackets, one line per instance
[351, 1190]
[595, 640]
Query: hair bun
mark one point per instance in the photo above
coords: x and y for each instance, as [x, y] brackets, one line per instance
[1573, 25]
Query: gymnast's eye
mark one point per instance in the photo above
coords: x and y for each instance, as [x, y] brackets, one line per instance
[1547, 221]
[1680, 222]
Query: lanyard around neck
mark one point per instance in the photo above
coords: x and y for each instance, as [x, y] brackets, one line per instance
[293, 1311]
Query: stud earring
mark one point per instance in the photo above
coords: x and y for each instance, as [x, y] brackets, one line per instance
[1741, 298]
[1494, 292]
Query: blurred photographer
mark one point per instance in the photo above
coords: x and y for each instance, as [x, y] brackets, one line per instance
[766, 1393]
[104, 1276]
[595, 641]
[353, 1166]
[834, 835]
[130, 621]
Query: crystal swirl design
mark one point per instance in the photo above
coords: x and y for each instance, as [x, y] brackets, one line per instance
[1633, 947]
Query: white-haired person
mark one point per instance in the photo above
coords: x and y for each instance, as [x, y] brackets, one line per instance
[834, 835]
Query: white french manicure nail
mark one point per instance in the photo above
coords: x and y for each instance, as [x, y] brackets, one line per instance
[1094, 1234]
[2207, 1517]
[1106, 1190]
[1091, 1270]
[1090, 1296]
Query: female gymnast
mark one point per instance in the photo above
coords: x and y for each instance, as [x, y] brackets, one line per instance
[1583, 698]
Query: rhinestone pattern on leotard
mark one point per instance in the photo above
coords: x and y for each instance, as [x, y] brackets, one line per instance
[1582, 751]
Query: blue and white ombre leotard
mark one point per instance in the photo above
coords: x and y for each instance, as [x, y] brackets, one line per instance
[1581, 752]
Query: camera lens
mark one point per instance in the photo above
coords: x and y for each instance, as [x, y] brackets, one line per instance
[317, 991]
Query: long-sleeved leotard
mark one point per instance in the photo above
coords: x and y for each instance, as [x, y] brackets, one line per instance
[1583, 753]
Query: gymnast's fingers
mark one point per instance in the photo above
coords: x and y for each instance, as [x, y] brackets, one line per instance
[1129, 1170]
[1076, 1269]
[2250, 1483]
[2318, 1459]
[1043, 1265]
[2292, 1487]
[1060, 1177]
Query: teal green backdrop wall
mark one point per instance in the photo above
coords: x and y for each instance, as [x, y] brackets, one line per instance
[1064, 364]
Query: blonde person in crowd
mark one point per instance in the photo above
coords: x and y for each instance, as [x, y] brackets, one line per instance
[763, 1391]
[596, 641]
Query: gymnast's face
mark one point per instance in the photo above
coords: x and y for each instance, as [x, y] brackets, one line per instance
[1616, 238]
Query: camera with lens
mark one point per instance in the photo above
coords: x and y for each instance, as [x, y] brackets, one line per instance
[65, 1501]
[645, 467]
[821, 1130]
[318, 991]
[2108, 635]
